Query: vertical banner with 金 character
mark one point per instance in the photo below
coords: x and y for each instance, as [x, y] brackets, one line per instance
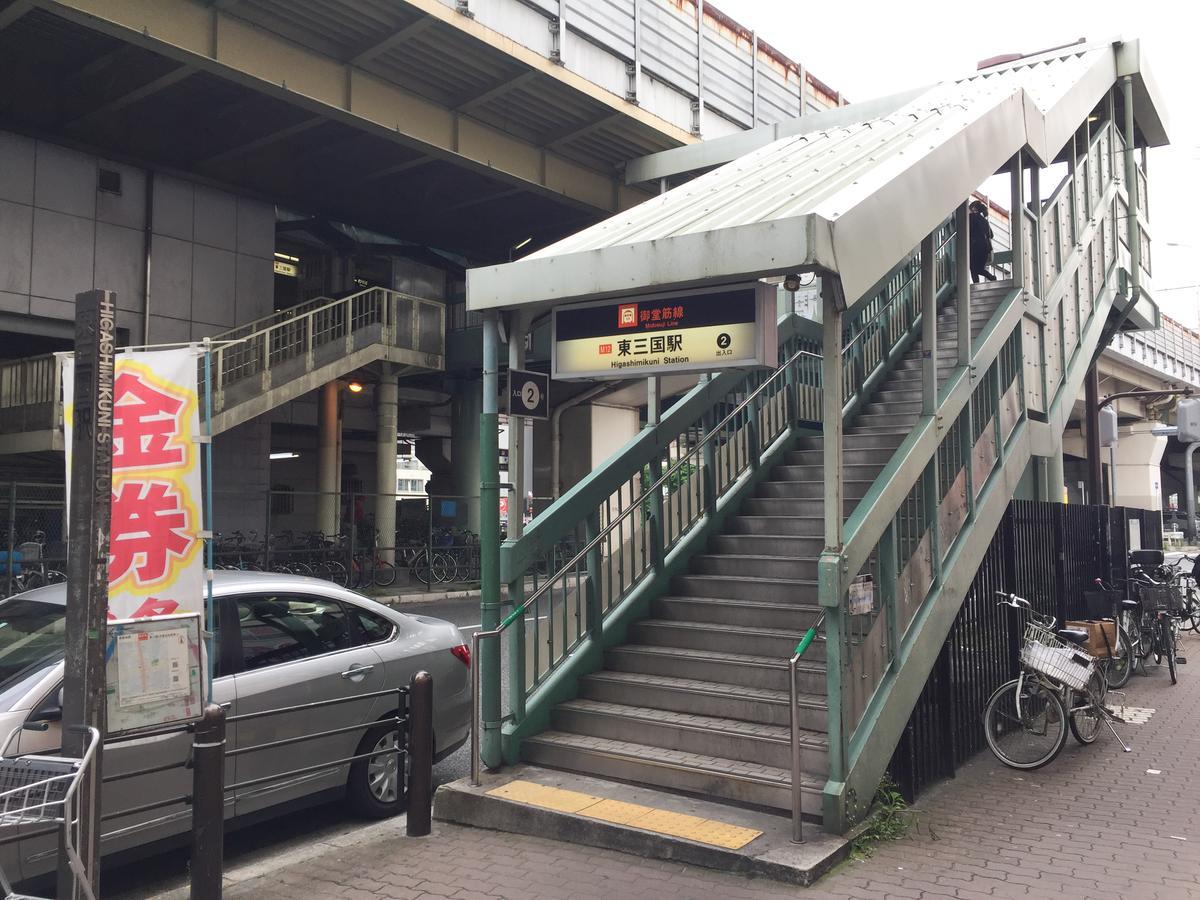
[155, 563]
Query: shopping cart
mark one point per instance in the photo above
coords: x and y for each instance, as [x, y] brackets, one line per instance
[44, 790]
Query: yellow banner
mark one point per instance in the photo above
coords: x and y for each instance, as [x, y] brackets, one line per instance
[155, 564]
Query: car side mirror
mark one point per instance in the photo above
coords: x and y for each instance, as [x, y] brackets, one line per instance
[50, 711]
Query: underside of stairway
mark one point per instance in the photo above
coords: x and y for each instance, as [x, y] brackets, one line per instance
[697, 699]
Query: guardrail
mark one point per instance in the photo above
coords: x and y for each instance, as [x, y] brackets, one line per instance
[292, 342]
[907, 541]
[413, 724]
[253, 358]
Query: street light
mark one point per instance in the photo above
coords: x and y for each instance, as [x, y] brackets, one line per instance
[355, 387]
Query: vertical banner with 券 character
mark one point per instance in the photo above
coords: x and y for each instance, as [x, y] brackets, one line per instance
[155, 563]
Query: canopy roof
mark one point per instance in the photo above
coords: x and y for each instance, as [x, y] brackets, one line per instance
[851, 199]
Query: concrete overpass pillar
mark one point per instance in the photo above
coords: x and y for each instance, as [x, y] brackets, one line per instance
[1137, 478]
[464, 448]
[329, 475]
[386, 403]
[1055, 479]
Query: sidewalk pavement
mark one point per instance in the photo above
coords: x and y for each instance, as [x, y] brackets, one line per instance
[1095, 823]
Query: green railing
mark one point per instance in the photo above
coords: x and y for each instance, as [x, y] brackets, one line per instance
[917, 528]
[601, 547]
[880, 330]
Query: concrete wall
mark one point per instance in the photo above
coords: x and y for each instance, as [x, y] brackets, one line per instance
[211, 251]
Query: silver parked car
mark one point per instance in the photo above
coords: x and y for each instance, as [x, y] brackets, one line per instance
[281, 641]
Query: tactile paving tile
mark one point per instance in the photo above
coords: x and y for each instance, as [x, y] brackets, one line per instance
[634, 815]
[618, 812]
[545, 797]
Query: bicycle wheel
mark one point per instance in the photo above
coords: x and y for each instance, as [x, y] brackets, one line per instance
[336, 572]
[385, 573]
[1025, 732]
[1168, 633]
[1120, 664]
[1087, 709]
[420, 568]
[443, 568]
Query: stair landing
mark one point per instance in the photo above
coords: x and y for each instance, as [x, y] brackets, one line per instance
[582, 809]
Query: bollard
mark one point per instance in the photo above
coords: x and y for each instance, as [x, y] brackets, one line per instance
[420, 754]
[208, 804]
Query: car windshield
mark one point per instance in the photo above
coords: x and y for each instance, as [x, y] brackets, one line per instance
[32, 641]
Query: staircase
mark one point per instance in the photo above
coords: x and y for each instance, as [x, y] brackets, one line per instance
[697, 700]
[676, 579]
[257, 366]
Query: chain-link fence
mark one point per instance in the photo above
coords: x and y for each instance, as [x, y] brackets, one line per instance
[34, 549]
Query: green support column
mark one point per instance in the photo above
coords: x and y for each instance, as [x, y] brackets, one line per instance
[1055, 477]
[1131, 189]
[516, 524]
[929, 354]
[657, 525]
[889, 574]
[489, 545]
[962, 282]
[832, 561]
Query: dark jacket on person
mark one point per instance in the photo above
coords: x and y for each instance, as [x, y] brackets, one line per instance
[981, 240]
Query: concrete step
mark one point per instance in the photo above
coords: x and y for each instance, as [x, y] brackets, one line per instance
[876, 457]
[707, 776]
[743, 613]
[747, 566]
[893, 407]
[782, 506]
[707, 665]
[857, 438]
[891, 394]
[767, 545]
[884, 419]
[770, 855]
[740, 587]
[778, 526]
[750, 742]
[708, 698]
[813, 489]
[816, 472]
[724, 638]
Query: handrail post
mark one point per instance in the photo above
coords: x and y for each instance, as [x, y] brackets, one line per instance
[595, 578]
[797, 784]
[516, 647]
[962, 275]
[929, 354]
[208, 804]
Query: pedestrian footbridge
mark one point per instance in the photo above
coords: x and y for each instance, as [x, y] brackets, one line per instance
[255, 367]
[882, 450]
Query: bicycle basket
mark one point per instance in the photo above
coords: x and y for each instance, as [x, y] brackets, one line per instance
[1157, 596]
[1044, 652]
[1102, 604]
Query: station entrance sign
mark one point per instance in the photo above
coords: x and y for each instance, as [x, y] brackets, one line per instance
[669, 333]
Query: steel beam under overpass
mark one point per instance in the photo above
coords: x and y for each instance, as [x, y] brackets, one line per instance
[210, 38]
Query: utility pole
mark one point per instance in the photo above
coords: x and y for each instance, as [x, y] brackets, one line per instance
[87, 564]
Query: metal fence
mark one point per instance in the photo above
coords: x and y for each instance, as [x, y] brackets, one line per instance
[1048, 553]
[33, 550]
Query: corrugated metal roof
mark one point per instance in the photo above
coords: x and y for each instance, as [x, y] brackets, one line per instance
[821, 172]
[850, 199]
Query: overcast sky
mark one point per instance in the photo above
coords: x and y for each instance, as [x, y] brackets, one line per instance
[867, 49]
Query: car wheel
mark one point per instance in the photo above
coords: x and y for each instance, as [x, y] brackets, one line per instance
[378, 784]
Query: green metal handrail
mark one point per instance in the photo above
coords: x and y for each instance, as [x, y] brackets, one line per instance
[913, 524]
[749, 410]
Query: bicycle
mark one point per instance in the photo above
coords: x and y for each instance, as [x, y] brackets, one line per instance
[1185, 572]
[1026, 720]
